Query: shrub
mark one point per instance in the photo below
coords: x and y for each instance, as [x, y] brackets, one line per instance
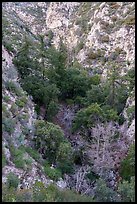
[4, 161]
[24, 195]
[127, 190]
[39, 192]
[9, 47]
[111, 115]
[8, 194]
[48, 137]
[75, 83]
[51, 110]
[105, 194]
[52, 173]
[11, 86]
[8, 125]
[95, 80]
[43, 92]
[20, 103]
[131, 113]
[18, 156]
[65, 157]
[6, 98]
[14, 109]
[127, 168]
[12, 180]
[33, 153]
[87, 117]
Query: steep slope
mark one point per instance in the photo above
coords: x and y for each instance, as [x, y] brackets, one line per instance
[18, 118]
[99, 39]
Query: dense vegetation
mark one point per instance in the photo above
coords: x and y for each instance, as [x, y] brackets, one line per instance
[46, 75]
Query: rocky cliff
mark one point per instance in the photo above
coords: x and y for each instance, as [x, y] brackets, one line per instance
[97, 35]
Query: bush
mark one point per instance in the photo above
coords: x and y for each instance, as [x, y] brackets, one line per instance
[111, 115]
[87, 117]
[39, 192]
[4, 161]
[24, 195]
[51, 110]
[105, 194]
[131, 113]
[8, 194]
[127, 168]
[11, 86]
[18, 156]
[12, 180]
[33, 153]
[8, 125]
[127, 190]
[52, 173]
[75, 83]
[14, 109]
[48, 137]
[20, 103]
[65, 157]
[43, 92]
[6, 98]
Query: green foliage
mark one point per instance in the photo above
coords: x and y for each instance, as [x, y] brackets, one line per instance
[105, 194]
[11, 86]
[65, 157]
[20, 103]
[43, 92]
[110, 114]
[33, 153]
[9, 47]
[14, 109]
[8, 194]
[127, 168]
[6, 98]
[95, 80]
[130, 78]
[4, 161]
[95, 95]
[24, 195]
[49, 137]
[92, 176]
[52, 110]
[23, 61]
[75, 83]
[18, 157]
[87, 117]
[12, 180]
[131, 113]
[127, 190]
[53, 194]
[52, 173]
[39, 192]
[8, 125]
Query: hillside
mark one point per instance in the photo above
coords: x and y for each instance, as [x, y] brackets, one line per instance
[68, 101]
